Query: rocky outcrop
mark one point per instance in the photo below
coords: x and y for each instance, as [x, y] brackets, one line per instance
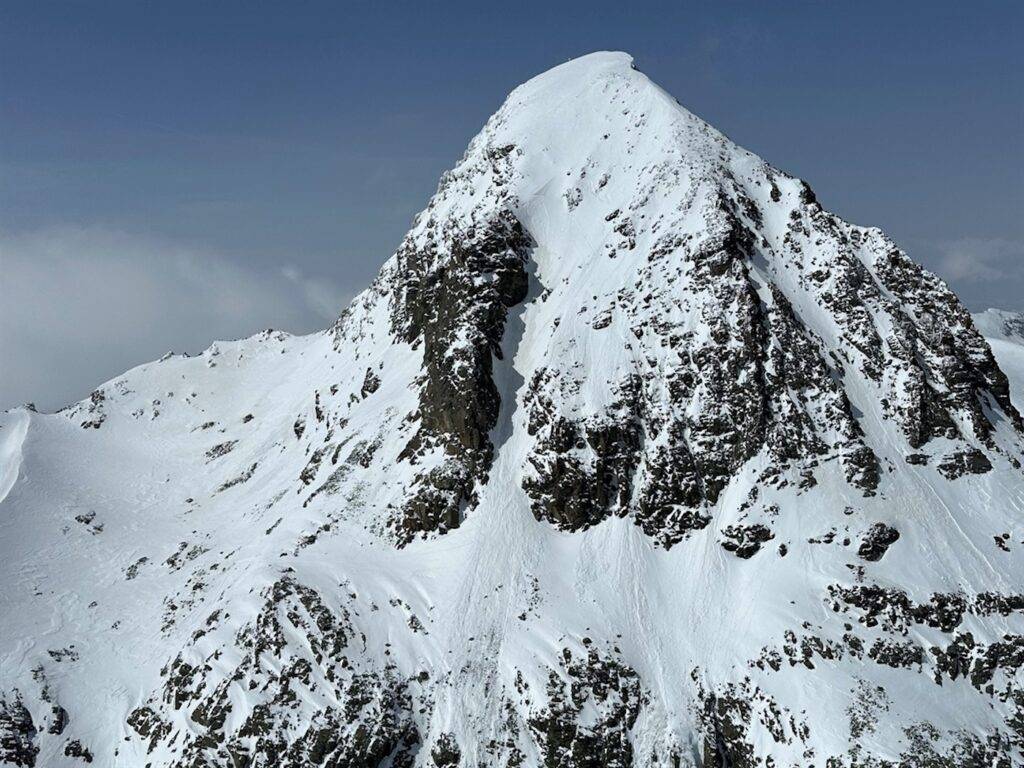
[877, 541]
[299, 654]
[458, 288]
[754, 382]
[612, 697]
[17, 733]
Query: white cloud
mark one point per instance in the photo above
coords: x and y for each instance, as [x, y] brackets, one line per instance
[322, 296]
[79, 306]
[981, 260]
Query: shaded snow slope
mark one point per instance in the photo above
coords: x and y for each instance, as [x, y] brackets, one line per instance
[1004, 332]
[631, 455]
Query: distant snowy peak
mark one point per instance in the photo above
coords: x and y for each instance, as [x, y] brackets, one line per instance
[1000, 324]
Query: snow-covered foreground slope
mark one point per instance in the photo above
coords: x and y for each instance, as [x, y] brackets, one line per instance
[632, 455]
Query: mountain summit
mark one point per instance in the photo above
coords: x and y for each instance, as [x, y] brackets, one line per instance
[632, 455]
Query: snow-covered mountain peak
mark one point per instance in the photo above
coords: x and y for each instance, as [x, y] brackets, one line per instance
[641, 244]
[589, 136]
[632, 455]
[595, 101]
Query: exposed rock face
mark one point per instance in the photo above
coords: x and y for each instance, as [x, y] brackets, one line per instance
[17, 734]
[286, 722]
[632, 455]
[877, 541]
[751, 381]
[457, 290]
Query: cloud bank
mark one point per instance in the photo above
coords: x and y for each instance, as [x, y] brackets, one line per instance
[984, 271]
[79, 306]
[981, 260]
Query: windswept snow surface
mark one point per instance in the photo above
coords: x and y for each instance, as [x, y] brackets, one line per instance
[632, 455]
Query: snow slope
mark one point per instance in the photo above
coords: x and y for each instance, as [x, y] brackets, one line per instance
[1004, 332]
[631, 455]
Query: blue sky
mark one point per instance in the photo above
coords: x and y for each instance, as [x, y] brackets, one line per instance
[288, 145]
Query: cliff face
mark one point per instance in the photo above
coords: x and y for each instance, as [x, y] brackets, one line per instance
[632, 455]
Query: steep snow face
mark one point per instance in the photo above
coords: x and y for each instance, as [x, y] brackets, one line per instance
[1004, 332]
[631, 455]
